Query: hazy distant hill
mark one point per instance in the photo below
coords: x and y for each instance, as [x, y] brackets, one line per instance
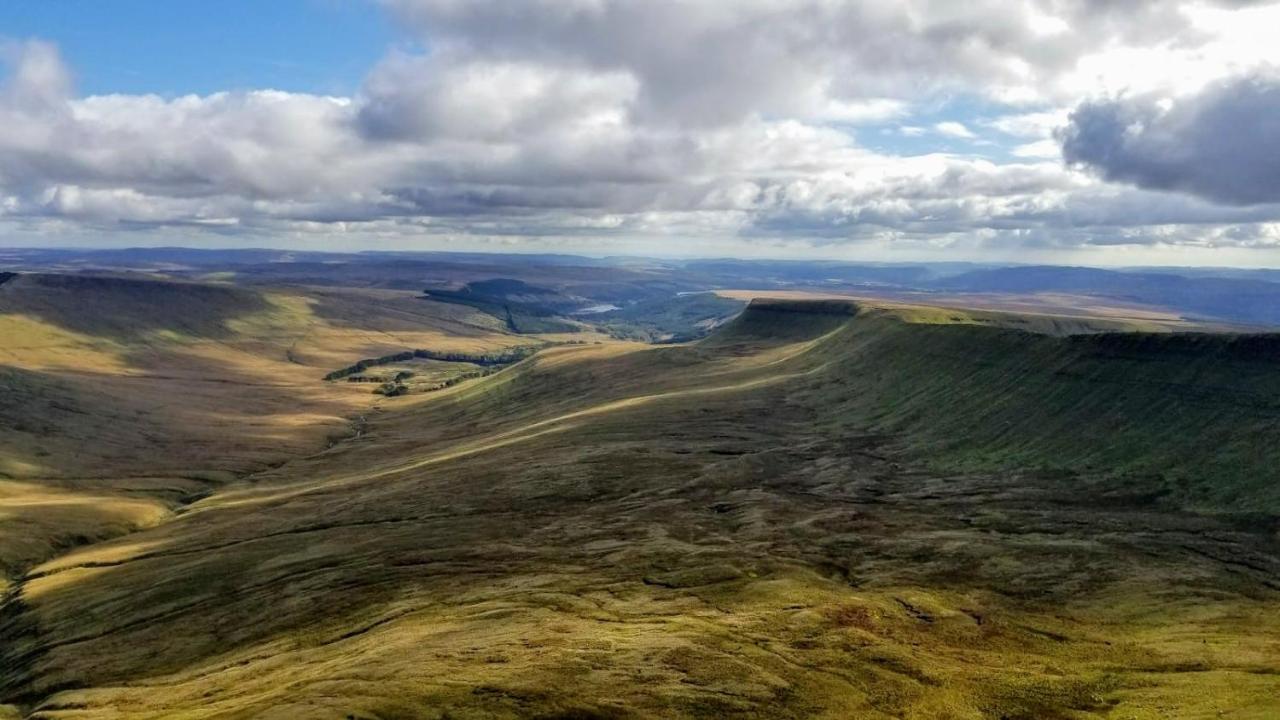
[1233, 299]
[127, 307]
[1226, 295]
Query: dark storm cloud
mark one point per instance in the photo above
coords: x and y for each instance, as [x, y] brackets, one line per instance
[1222, 143]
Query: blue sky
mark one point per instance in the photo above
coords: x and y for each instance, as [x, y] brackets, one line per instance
[176, 47]
[1038, 131]
[326, 47]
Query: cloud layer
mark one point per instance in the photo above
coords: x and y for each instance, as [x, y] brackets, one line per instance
[1222, 143]
[818, 124]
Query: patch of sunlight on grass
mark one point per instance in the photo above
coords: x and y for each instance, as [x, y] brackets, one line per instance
[165, 336]
[573, 354]
[1047, 315]
[104, 554]
[35, 521]
[1037, 322]
[30, 343]
[286, 314]
[219, 277]
[68, 578]
[14, 467]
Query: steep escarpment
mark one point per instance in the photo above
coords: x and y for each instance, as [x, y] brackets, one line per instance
[1192, 416]
[781, 321]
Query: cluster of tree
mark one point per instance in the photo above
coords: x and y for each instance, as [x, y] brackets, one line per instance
[505, 356]
[397, 386]
[392, 389]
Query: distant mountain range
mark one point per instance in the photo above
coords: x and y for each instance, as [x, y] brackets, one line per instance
[1231, 295]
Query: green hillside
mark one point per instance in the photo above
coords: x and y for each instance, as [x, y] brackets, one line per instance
[1192, 415]
[128, 308]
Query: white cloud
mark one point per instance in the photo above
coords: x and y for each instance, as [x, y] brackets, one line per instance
[953, 129]
[863, 111]
[1030, 125]
[560, 118]
[1043, 149]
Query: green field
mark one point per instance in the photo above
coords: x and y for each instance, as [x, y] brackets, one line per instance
[824, 509]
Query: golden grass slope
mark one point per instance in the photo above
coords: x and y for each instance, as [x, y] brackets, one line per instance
[238, 398]
[108, 423]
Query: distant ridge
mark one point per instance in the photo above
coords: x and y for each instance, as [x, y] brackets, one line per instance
[1242, 299]
[807, 307]
[1223, 295]
[127, 307]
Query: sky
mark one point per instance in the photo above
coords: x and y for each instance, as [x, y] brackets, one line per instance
[1064, 131]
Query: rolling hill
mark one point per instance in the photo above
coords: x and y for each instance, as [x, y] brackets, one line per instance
[124, 398]
[825, 509]
[126, 308]
[1223, 296]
